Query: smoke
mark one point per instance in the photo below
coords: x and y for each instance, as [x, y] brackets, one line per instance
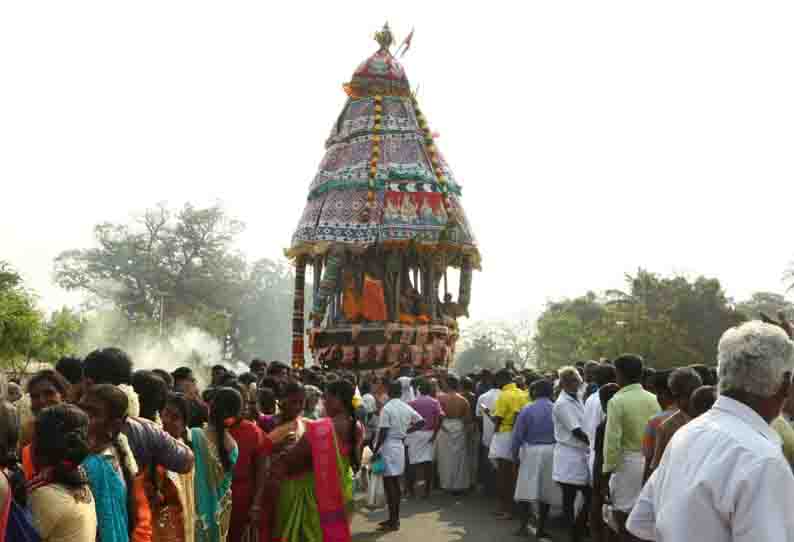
[181, 345]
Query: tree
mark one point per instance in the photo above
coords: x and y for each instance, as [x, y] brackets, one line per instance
[767, 302]
[565, 330]
[517, 339]
[481, 352]
[168, 265]
[263, 324]
[8, 277]
[62, 334]
[21, 323]
[172, 270]
[670, 321]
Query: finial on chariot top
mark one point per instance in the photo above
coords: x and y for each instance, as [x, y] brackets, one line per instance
[385, 38]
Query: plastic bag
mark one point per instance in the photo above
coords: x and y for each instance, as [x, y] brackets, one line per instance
[376, 496]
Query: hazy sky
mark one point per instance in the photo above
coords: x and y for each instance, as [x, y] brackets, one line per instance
[590, 137]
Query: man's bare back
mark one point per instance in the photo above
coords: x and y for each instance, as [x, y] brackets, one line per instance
[455, 406]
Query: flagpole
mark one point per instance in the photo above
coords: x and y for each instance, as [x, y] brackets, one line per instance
[406, 43]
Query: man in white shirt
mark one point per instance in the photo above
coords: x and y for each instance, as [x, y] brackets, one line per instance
[602, 375]
[593, 413]
[588, 386]
[397, 419]
[570, 452]
[406, 382]
[723, 476]
[487, 401]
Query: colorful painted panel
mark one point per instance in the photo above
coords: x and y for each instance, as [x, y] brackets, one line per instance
[380, 65]
[345, 162]
[357, 117]
[446, 169]
[308, 222]
[462, 232]
[342, 218]
[404, 158]
[413, 215]
[396, 116]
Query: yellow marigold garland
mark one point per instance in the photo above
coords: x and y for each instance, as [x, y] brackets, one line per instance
[374, 158]
[432, 153]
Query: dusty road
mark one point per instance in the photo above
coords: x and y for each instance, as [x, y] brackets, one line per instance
[443, 518]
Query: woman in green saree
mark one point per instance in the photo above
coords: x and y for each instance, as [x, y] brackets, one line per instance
[316, 498]
[216, 454]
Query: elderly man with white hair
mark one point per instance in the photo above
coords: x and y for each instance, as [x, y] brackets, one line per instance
[723, 476]
[570, 467]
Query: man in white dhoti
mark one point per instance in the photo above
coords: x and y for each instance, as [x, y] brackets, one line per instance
[486, 403]
[593, 417]
[627, 417]
[593, 413]
[570, 452]
[533, 446]
[474, 437]
[397, 420]
[723, 476]
[589, 386]
[421, 444]
[452, 454]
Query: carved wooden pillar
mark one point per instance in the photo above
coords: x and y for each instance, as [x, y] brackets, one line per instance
[317, 274]
[431, 281]
[297, 314]
[464, 290]
[397, 288]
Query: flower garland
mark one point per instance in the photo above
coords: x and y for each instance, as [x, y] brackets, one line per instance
[133, 405]
[377, 129]
[432, 152]
[24, 410]
[129, 458]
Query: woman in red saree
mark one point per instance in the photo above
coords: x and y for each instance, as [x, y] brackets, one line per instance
[248, 479]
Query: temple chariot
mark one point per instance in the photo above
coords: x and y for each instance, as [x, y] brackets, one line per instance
[382, 230]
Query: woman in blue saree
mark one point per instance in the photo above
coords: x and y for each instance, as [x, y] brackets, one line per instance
[216, 454]
[111, 465]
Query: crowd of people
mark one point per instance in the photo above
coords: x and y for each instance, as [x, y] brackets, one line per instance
[623, 451]
[94, 449]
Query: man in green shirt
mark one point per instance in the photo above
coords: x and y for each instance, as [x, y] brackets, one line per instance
[627, 416]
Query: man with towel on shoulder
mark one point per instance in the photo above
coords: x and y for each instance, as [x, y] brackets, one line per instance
[397, 420]
[571, 469]
[421, 444]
